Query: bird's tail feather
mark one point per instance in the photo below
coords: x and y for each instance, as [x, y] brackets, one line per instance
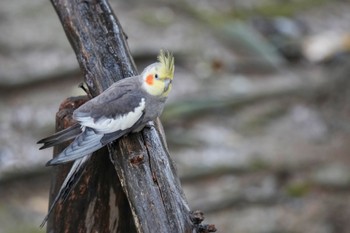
[68, 184]
[86, 143]
[60, 136]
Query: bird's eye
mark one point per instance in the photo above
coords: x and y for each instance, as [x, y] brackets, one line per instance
[156, 76]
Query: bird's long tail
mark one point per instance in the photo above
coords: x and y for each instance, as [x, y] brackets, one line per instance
[61, 136]
[68, 184]
[85, 143]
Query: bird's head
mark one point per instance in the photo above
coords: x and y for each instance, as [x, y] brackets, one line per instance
[157, 77]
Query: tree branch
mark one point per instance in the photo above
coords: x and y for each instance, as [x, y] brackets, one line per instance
[146, 172]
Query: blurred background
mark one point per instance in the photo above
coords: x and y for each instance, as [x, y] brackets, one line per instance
[258, 119]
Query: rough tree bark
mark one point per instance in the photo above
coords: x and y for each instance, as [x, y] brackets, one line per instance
[140, 191]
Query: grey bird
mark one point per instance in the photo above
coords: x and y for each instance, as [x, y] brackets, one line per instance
[125, 107]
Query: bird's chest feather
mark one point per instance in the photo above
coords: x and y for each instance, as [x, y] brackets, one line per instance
[154, 107]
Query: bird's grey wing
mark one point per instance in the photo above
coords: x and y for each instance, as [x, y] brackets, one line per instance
[60, 136]
[86, 143]
[102, 119]
[116, 91]
[68, 184]
[116, 100]
[110, 115]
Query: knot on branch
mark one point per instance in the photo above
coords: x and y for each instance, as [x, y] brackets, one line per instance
[66, 109]
[197, 217]
[137, 159]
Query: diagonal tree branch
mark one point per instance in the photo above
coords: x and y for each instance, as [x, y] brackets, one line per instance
[151, 191]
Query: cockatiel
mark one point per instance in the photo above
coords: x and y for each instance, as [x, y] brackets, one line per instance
[126, 106]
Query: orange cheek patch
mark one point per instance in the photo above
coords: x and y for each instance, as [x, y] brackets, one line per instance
[149, 79]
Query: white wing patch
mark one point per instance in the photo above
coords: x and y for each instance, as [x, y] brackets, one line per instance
[110, 125]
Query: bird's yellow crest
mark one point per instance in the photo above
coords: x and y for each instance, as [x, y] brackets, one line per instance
[158, 76]
[166, 59]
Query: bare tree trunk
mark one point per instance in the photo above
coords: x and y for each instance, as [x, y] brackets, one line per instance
[141, 192]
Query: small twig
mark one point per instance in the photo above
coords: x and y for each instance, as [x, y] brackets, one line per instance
[197, 217]
[85, 89]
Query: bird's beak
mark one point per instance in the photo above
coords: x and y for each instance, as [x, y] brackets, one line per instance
[167, 83]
